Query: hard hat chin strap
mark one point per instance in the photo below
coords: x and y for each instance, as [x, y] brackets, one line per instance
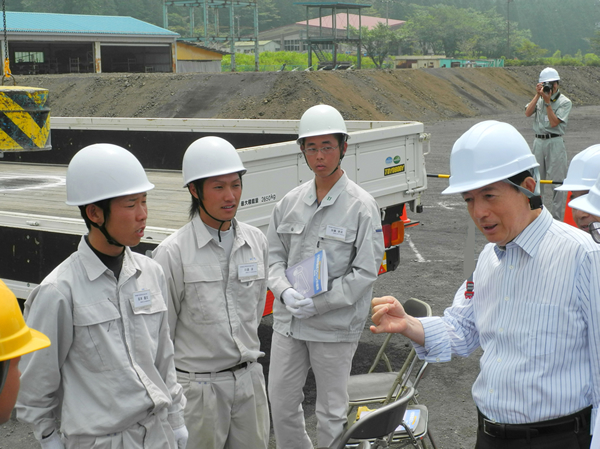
[535, 197]
[214, 218]
[199, 188]
[3, 373]
[336, 167]
[108, 237]
[103, 230]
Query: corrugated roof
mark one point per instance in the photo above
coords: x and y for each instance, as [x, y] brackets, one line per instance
[341, 21]
[34, 22]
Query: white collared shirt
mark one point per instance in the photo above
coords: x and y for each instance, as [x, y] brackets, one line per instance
[536, 315]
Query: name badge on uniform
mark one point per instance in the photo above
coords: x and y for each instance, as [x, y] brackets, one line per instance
[142, 299]
[335, 232]
[247, 271]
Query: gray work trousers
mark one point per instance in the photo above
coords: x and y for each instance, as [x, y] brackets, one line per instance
[551, 154]
[288, 369]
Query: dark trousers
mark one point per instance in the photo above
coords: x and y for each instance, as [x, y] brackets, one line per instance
[577, 437]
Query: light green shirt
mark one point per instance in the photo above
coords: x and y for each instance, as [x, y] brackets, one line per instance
[561, 106]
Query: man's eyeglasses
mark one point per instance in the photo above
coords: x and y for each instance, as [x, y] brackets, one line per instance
[325, 150]
[594, 229]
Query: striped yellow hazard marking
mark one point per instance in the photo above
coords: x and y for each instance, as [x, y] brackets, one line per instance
[24, 119]
[542, 181]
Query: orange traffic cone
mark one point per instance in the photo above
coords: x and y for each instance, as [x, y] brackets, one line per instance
[568, 216]
[408, 223]
[404, 216]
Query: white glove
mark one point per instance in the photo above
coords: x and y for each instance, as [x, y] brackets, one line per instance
[181, 436]
[52, 442]
[304, 309]
[291, 297]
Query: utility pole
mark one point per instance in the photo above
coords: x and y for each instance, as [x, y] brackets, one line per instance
[387, 12]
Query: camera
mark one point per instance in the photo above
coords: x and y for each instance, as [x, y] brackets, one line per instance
[547, 87]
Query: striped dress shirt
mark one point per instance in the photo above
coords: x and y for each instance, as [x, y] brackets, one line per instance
[536, 315]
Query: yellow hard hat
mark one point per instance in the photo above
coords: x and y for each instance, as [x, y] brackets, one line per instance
[16, 338]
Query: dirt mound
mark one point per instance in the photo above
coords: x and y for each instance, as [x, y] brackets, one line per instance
[419, 94]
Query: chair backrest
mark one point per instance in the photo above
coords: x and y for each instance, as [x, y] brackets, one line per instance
[417, 308]
[414, 307]
[380, 422]
[425, 368]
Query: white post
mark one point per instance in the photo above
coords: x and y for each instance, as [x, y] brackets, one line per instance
[97, 57]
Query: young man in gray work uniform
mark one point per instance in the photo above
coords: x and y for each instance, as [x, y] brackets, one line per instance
[109, 373]
[216, 272]
[333, 214]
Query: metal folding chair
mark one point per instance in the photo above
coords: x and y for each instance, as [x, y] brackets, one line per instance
[386, 387]
[376, 430]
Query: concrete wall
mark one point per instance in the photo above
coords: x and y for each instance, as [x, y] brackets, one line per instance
[198, 66]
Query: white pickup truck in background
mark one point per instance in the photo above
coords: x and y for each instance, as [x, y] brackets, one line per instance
[37, 231]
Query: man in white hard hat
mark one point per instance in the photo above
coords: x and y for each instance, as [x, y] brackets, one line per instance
[216, 269]
[109, 374]
[16, 340]
[333, 214]
[583, 172]
[534, 308]
[550, 108]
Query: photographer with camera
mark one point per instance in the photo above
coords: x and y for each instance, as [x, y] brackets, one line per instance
[551, 109]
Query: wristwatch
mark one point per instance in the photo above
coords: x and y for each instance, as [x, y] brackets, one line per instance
[547, 104]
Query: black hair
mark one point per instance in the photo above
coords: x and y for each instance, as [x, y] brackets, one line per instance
[340, 137]
[102, 204]
[196, 202]
[519, 178]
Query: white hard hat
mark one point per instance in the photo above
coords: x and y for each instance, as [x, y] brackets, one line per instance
[321, 120]
[210, 156]
[102, 171]
[583, 170]
[488, 152]
[590, 202]
[548, 74]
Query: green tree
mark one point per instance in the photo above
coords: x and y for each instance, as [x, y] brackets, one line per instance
[557, 24]
[419, 34]
[379, 42]
[595, 42]
[529, 51]
[268, 15]
[150, 11]
[591, 59]
[444, 29]
[92, 7]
